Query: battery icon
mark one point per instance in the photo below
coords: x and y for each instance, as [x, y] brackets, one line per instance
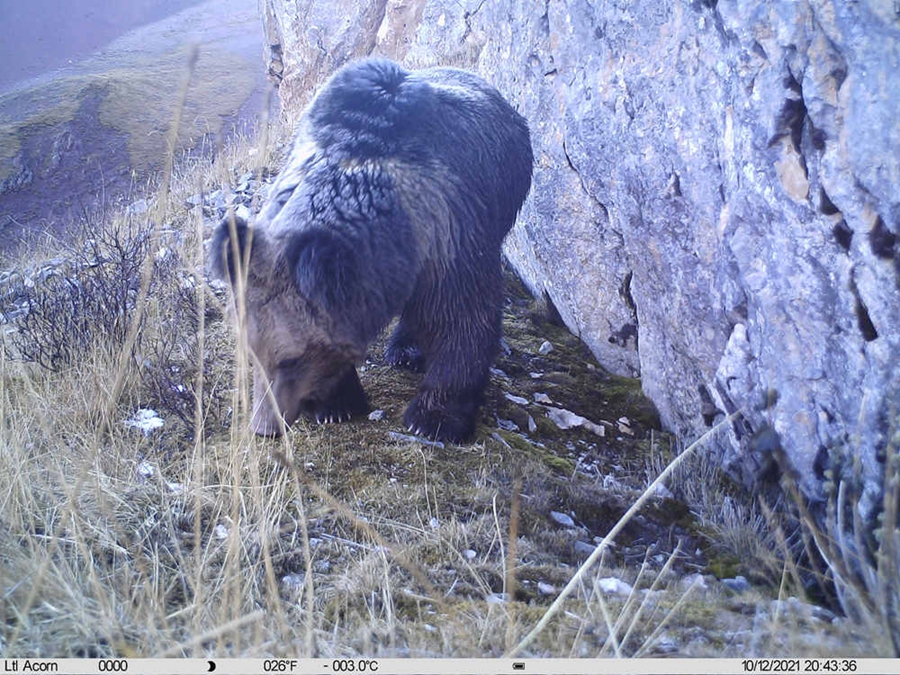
[518, 665]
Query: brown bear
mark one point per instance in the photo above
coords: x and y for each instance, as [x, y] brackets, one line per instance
[398, 191]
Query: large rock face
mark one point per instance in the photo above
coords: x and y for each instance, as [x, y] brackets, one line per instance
[716, 202]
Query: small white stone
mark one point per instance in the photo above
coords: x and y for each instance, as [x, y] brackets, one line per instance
[243, 212]
[566, 419]
[469, 554]
[294, 582]
[376, 415]
[145, 469]
[614, 586]
[739, 584]
[545, 588]
[146, 420]
[507, 425]
[545, 348]
[624, 425]
[138, 207]
[220, 531]
[541, 397]
[516, 399]
[562, 519]
[695, 580]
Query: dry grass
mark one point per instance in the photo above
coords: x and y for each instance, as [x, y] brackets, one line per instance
[200, 539]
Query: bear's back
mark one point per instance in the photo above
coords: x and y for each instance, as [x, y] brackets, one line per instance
[375, 110]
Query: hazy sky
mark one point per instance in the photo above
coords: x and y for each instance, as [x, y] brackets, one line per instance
[41, 35]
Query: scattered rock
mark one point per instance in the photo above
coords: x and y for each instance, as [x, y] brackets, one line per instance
[801, 610]
[507, 425]
[376, 415]
[293, 582]
[546, 589]
[145, 470]
[146, 420]
[242, 211]
[215, 203]
[562, 519]
[138, 207]
[541, 397]
[695, 580]
[566, 419]
[502, 441]
[545, 348]
[665, 644]
[614, 586]
[739, 584]
[515, 399]
[584, 548]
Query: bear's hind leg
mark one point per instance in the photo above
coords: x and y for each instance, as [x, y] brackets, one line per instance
[346, 400]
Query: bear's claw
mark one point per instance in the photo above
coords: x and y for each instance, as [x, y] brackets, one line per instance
[453, 422]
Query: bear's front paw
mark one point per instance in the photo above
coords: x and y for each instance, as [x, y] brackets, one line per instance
[345, 401]
[335, 410]
[454, 421]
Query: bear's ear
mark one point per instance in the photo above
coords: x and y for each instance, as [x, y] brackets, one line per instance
[326, 270]
[223, 262]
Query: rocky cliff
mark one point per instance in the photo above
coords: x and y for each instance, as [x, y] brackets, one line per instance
[716, 202]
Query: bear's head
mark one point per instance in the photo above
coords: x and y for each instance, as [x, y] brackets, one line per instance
[290, 290]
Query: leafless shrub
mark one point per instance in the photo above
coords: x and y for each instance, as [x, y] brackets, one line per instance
[64, 309]
[67, 306]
